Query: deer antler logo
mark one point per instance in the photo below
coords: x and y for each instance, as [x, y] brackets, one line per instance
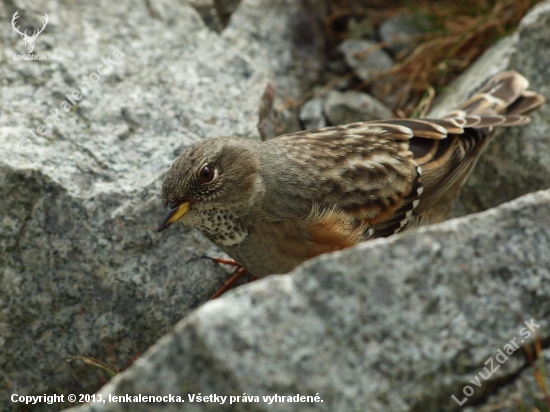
[29, 40]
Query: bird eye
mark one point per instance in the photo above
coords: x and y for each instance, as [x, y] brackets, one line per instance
[206, 174]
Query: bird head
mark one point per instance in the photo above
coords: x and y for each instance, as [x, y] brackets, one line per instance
[212, 180]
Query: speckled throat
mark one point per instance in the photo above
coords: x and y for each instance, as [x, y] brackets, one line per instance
[224, 227]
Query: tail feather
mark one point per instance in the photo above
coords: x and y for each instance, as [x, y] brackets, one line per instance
[528, 102]
[445, 150]
[505, 86]
[483, 102]
[503, 101]
[515, 120]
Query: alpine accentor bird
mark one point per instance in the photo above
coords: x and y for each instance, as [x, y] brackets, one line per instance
[272, 205]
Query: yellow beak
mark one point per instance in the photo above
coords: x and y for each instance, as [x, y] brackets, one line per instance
[172, 214]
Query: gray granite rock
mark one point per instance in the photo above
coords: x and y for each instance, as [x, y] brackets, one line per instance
[518, 160]
[311, 114]
[353, 106]
[397, 324]
[82, 268]
[285, 38]
[365, 65]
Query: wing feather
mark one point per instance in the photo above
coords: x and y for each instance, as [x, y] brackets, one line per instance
[390, 175]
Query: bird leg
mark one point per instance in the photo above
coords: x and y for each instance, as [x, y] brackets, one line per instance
[224, 261]
[227, 285]
[230, 282]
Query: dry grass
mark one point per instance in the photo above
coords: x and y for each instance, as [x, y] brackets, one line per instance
[110, 369]
[540, 393]
[457, 32]
[541, 377]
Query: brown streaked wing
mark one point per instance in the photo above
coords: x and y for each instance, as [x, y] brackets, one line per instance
[447, 162]
[441, 162]
[367, 169]
[419, 127]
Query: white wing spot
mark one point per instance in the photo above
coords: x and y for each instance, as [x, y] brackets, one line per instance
[415, 203]
[406, 220]
[419, 190]
[419, 170]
